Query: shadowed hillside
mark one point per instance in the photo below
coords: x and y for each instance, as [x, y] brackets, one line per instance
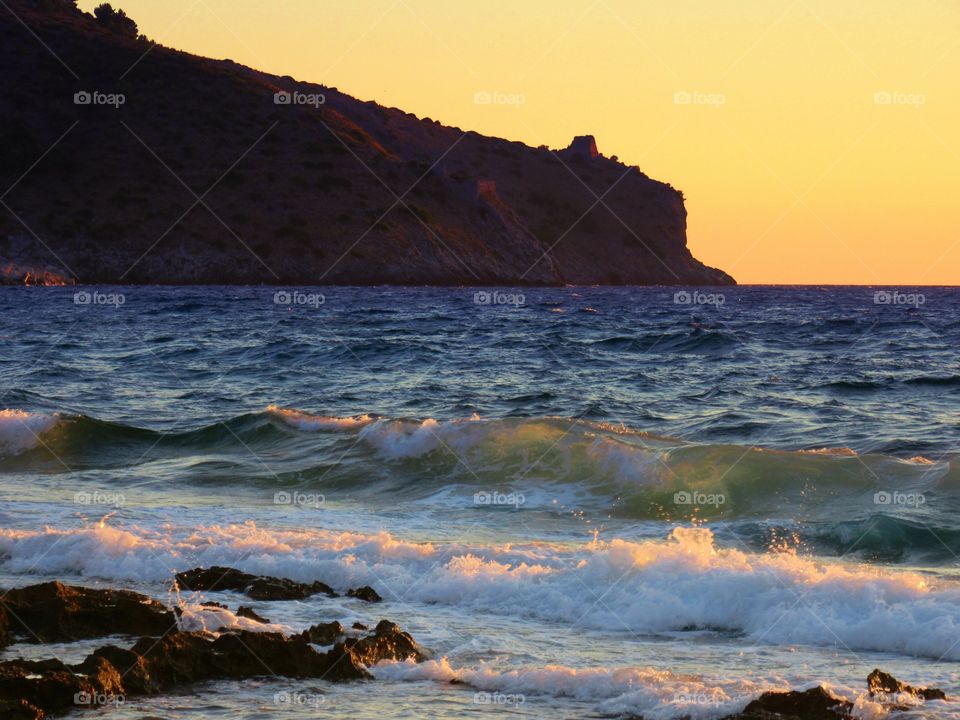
[130, 162]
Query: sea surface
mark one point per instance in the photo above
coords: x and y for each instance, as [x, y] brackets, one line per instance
[585, 502]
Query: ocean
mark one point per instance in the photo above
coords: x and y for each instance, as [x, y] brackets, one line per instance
[585, 502]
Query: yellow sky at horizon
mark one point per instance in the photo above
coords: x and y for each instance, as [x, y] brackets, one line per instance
[815, 141]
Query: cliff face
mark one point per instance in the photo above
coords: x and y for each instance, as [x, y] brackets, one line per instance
[152, 165]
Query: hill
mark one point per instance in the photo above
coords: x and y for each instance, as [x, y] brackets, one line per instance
[125, 161]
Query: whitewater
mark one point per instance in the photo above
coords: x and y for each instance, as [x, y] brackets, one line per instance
[600, 504]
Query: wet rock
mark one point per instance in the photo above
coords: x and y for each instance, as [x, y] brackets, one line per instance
[214, 579]
[388, 642]
[212, 604]
[50, 685]
[4, 624]
[52, 612]
[257, 587]
[268, 588]
[324, 633]
[359, 626]
[20, 710]
[881, 683]
[30, 690]
[814, 704]
[246, 612]
[365, 593]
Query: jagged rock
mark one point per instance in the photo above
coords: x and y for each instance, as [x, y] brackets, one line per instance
[365, 593]
[324, 633]
[388, 642]
[56, 612]
[254, 586]
[155, 665]
[814, 704]
[246, 612]
[584, 146]
[211, 603]
[879, 682]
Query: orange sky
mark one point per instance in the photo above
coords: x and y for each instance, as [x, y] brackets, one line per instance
[816, 141]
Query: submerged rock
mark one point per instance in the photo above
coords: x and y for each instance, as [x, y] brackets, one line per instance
[249, 613]
[52, 612]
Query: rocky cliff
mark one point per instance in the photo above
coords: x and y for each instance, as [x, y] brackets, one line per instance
[124, 161]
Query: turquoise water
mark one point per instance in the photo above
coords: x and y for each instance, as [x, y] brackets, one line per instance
[585, 501]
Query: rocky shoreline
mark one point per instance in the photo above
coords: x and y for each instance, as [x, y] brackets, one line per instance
[166, 656]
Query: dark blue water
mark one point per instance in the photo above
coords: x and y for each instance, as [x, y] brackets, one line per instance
[695, 450]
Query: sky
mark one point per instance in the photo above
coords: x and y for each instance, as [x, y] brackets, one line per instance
[815, 141]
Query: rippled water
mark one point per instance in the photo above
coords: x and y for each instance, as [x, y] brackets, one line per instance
[584, 501]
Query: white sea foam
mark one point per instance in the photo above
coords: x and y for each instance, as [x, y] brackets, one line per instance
[21, 430]
[657, 694]
[307, 422]
[195, 617]
[683, 582]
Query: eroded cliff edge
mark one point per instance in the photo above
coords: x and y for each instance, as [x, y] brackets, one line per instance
[126, 162]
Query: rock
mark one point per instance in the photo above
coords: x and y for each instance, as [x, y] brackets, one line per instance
[365, 593]
[254, 586]
[268, 588]
[813, 704]
[584, 146]
[246, 612]
[359, 626]
[4, 623]
[20, 710]
[881, 683]
[214, 579]
[388, 642]
[29, 690]
[53, 612]
[324, 633]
